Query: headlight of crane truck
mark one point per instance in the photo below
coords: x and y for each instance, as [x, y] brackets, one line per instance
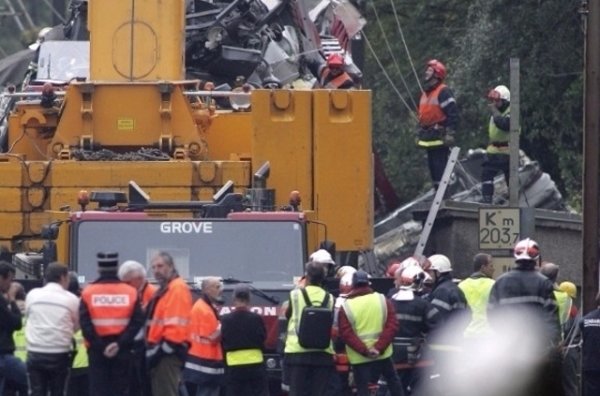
[317, 142]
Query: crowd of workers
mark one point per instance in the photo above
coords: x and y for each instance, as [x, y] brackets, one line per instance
[121, 335]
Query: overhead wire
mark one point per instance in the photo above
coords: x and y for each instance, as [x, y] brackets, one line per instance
[387, 76]
[387, 43]
[406, 46]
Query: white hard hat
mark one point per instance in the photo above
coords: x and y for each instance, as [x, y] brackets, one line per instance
[440, 263]
[526, 250]
[345, 270]
[321, 256]
[412, 277]
[503, 92]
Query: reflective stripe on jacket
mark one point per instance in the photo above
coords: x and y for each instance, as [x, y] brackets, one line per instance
[498, 138]
[315, 295]
[20, 343]
[204, 361]
[110, 306]
[170, 316]
[367, 315]
[81, 357]
[430, 110]
[244, 356]
[477, 292]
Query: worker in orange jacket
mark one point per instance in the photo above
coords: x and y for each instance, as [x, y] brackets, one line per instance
[204, 367]
[110, 316]
[168, 319]
[438, 119]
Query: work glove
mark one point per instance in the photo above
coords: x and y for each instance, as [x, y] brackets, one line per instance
[448, 138]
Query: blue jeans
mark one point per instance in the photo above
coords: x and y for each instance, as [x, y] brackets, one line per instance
[12, 370]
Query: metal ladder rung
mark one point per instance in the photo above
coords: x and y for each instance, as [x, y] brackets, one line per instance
[437, 200]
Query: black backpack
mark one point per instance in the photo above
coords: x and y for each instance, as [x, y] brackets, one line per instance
[314, 331]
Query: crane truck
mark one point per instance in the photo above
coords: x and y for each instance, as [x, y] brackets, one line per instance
[212, 168]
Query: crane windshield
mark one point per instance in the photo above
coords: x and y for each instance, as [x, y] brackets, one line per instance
[257, 251]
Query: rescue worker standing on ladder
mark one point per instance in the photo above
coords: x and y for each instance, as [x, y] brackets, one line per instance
[498, 153]
[204, 368]
[367, 325]
[110, 316]
[169, 315]
[438, 119]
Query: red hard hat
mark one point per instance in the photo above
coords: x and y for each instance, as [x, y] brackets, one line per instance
[439, 70]
[335, 60]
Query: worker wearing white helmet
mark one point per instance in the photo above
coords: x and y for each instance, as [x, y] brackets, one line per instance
[324, 258]
[416, 317]
[497, 150]
[446, 297]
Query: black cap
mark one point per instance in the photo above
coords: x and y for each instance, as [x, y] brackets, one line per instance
[360, 278]
[108, 260]
[241, 292]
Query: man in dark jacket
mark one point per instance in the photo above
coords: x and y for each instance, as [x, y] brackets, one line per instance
[446, 297]
[367, 324]
[590, 363]
[110, 315]
[243, 336]
[525, 291]
[438, 119]
[415, 318]
[11, 368]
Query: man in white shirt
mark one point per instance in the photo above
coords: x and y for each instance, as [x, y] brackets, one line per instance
[52, 319]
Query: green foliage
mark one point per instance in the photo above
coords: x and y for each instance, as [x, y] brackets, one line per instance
[37, 14]
[476, 41]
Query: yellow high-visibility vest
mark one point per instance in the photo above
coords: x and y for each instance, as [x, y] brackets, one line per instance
[316, 296]
[244, 356]
[367, 315]
[477, 292]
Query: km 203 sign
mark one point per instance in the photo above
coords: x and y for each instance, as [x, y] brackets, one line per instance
[499, 228]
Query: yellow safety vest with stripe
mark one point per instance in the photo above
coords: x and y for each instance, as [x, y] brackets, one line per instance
[477, 292]
[316, 296]
[367, 315]
[244, 356]
[20, 343]
[498, 136]
[81, 357]
[564, 305]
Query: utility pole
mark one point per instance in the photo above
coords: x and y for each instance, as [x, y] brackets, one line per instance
[513, 144]
[591, 160]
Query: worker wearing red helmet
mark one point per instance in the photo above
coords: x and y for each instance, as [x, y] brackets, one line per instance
[438, 119]
[333, 76]
[498, 154]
